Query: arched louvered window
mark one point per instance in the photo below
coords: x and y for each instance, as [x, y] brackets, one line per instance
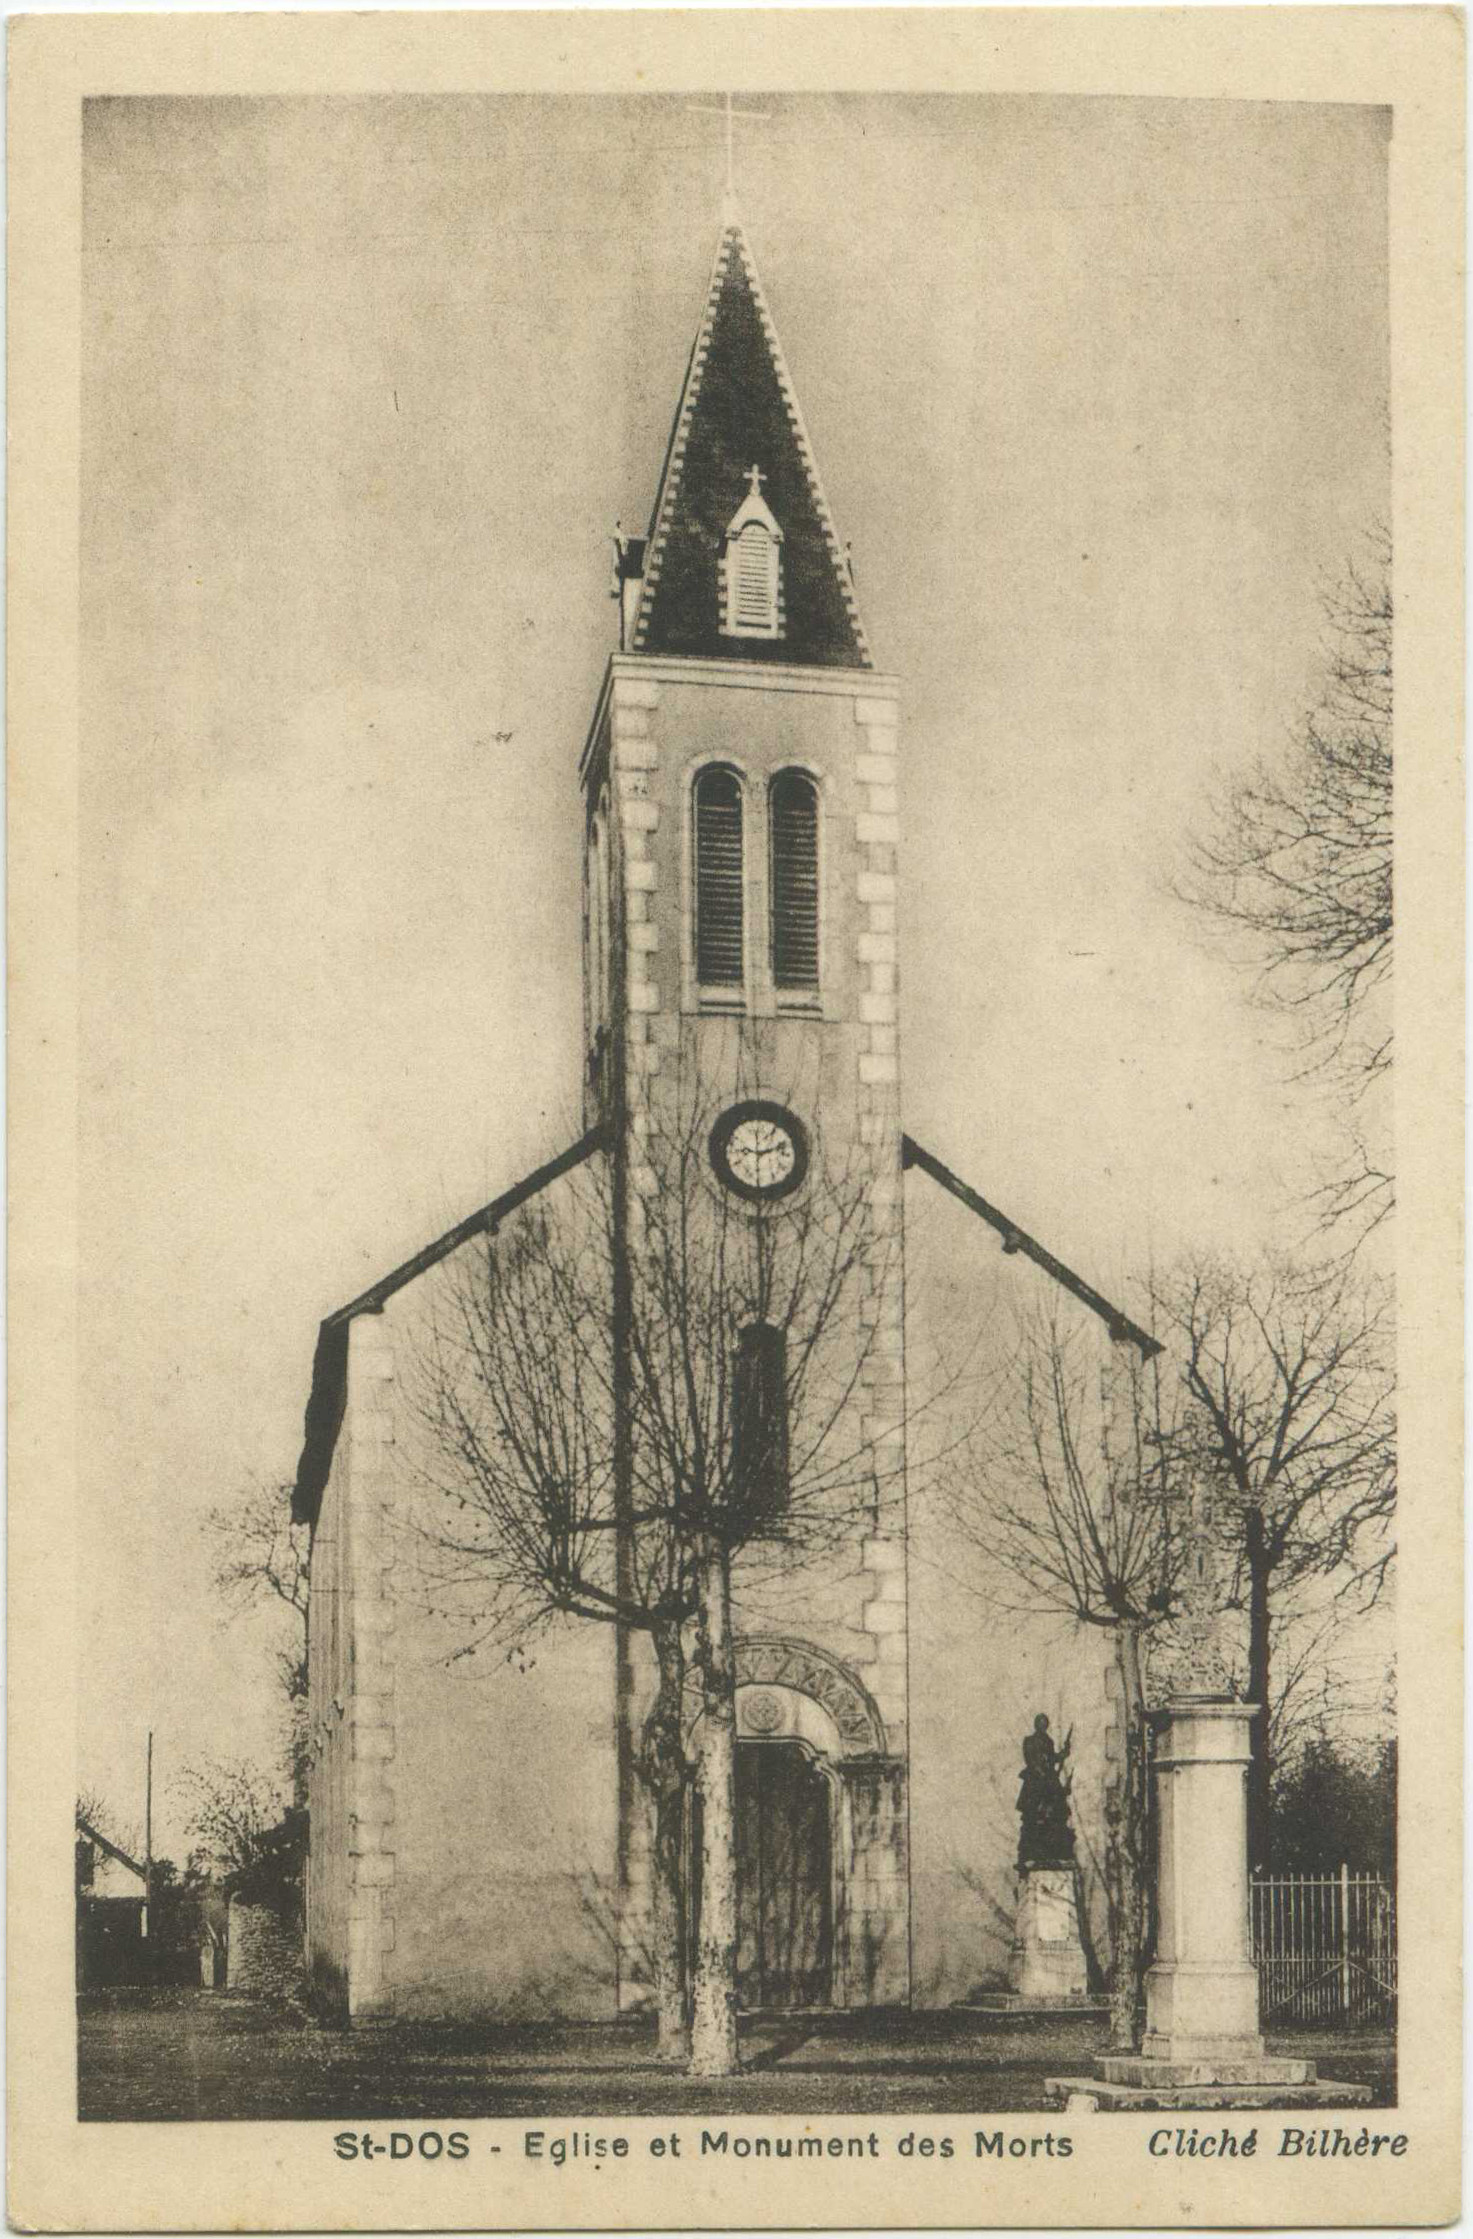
[752, 563]
[718, 880]
[793, 839]
[759, 1426]
[752, 567]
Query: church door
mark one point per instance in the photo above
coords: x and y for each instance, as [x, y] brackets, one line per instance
[784, 1877]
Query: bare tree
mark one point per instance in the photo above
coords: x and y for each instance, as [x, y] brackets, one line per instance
[262, 1560]
[626, 1394]
[1298, 863]
[1291, 1379]
[96, 1813]
[1073, 1503]
[1327, 1673]
[232, 1808]
[1317, 1687]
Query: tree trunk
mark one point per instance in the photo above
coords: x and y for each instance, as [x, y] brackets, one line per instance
[1093, 1971]
[713, 2014]
[1129, 1842]
[1260, 1769]
[662, 1766]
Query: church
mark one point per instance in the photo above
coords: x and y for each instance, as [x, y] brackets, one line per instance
[479, 1838]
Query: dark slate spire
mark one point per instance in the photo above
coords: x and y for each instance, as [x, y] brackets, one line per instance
[737, 411]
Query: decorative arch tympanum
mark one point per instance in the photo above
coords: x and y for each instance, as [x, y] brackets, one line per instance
[768, 1660]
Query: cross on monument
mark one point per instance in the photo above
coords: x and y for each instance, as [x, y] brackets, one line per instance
[1199, 1667]
[756, 116]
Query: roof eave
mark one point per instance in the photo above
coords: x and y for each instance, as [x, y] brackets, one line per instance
[328, 1393]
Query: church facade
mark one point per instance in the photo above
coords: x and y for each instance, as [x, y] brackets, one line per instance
[479, 1840]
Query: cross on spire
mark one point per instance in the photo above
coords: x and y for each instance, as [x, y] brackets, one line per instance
[755, 116]
[755, 479]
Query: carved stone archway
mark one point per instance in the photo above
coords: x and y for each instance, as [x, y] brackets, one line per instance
[769, 1660]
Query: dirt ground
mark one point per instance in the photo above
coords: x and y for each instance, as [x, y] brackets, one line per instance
[206, 2056]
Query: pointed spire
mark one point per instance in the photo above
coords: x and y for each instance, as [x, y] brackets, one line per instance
[739, 419]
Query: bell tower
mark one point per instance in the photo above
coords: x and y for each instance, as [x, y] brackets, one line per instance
[740, 789]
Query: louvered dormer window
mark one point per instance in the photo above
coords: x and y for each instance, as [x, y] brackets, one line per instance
[752, 568]
[792, 813]
[719, 874]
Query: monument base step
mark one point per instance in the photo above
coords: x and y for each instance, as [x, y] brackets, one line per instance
[1022, 2002]
[1084, 2094]
[1145, 2073]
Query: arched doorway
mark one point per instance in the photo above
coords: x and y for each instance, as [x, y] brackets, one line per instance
[785, 1877]
[806, 1733]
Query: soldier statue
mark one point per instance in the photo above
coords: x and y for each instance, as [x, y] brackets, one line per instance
[1045, 1838]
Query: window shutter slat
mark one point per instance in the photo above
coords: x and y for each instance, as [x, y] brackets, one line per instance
[719, 879]
[793, 813]
[753, 599]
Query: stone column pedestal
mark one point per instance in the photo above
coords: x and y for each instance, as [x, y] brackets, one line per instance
[1202, 1992]
[1203, 2046]
[1047, 1959]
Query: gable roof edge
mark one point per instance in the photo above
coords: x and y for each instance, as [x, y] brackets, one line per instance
[95, 1835]
[665, 495]
[327, 1395]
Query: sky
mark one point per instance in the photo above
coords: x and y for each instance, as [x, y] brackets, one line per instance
[1098, 391]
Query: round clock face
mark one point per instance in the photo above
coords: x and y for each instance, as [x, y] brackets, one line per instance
[759, 1150]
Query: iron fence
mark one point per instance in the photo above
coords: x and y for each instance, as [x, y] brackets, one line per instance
[1324, 1946]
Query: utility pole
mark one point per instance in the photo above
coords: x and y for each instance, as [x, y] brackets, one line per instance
[148, 1834]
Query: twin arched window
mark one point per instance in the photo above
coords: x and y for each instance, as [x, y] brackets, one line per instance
[720, 879]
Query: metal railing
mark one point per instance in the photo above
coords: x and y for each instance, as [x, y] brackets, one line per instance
[1324, 1946]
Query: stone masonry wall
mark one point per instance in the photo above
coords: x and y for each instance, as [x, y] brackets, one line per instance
[329, 1761]
[877, 1095]
[264, 1952]
[370, 1426]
